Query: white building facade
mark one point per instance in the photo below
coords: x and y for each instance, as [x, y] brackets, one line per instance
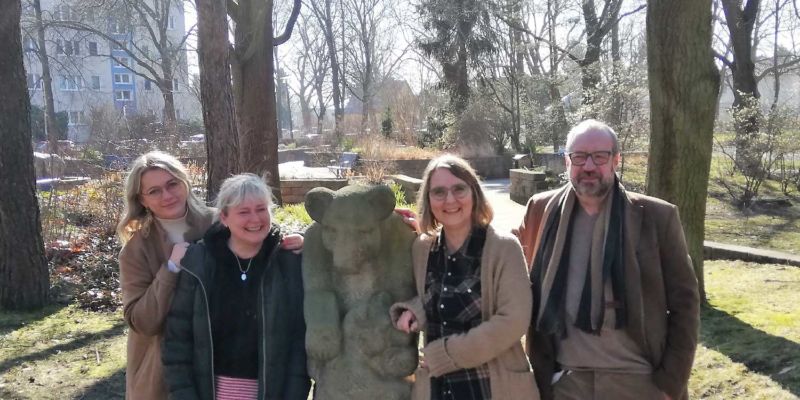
[90, 72]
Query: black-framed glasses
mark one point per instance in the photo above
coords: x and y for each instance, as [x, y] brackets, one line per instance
[459, 190]
[579, 158]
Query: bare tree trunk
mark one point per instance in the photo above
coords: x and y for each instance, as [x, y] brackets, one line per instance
[258, 123]
[683, 88]
[47, 82]
[747, 111]
[222, 140]
[324, 16]
[24, 280]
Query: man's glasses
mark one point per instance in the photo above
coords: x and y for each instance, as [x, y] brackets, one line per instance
[157, 192]
[459, 190]
[579, 158]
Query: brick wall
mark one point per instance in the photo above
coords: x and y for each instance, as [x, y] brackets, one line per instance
[294, 191]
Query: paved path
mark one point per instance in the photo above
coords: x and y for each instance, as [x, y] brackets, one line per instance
[507, 213]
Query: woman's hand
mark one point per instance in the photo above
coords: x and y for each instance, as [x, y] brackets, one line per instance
[293, 242]
[409, 218]
[178, 251]
[407, 322]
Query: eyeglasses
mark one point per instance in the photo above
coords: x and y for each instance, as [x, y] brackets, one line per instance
[157, 192]
[459, 190]
[579, 158]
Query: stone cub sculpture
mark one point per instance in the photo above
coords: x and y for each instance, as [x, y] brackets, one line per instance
[356, 264]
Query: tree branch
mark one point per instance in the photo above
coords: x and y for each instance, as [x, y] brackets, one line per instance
[287, 33]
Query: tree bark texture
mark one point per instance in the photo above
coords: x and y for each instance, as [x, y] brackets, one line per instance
[255, 89]
[24, 280]
[222, 141]
[683, 89]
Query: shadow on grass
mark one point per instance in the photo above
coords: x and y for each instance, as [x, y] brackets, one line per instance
[759, 351]
[13, 320]
[78, 342]
[111, 388]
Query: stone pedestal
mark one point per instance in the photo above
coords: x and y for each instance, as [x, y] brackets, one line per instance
[526, 183]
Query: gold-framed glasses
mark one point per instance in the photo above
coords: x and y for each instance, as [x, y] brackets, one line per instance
[156, 192]
[459, 190]
[579, 158]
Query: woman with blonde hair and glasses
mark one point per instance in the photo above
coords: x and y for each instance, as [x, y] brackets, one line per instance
[474, 298]
[161, 214]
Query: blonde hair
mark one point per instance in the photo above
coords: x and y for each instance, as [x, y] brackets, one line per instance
[135, 218]
[238, 188]
[482, 212]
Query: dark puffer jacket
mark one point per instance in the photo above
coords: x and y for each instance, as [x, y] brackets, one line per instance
[187, 350]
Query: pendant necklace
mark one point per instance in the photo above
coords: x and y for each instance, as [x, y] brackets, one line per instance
[243, 271]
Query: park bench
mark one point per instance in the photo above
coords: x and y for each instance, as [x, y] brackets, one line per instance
[345, 164]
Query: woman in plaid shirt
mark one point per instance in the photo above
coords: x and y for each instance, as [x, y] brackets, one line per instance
[474, 300]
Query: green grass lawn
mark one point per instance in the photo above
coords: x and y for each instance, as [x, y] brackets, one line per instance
[750, 343]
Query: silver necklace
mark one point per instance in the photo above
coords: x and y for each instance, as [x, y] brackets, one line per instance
[243, 271]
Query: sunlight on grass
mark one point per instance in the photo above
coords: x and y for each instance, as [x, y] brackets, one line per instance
[750, 334]
[59, 353]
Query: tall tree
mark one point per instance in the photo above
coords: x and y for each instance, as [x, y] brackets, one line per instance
[459, 33]
[370, 58]
[324, 13]
[683, 90]
[222, 141]
[740, 18]
[47, 79]
[24, 281]
[254, 85]
[597, 28]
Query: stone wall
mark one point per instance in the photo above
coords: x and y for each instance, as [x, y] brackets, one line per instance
[525, 183]
[551, 161]
[493, 167]
[294, 190]
[409, 185]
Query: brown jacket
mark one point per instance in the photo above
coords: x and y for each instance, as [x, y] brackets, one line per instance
[506, 311]
[147, 287]
[661, 291]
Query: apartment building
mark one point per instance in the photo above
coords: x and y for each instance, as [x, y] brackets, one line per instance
[96, 56]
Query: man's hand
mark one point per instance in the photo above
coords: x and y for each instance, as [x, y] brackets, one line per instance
[409, 217]
[293, 242]
[407, 322]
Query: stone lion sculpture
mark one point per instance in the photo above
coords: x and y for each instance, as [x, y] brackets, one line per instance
[356, 264]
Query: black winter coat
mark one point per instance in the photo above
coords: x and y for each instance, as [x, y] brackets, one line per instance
[187, 350]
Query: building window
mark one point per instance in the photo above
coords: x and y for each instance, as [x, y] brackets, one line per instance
[148, 85]
[64, 13]
[175, 85]
[29, 44]
[68, 47]
[121, 61]
[119, 45]
[122, 78]
[34, 81]
[95, 82]
[117, 27]
[171, 23]
[122, 95]
[92, 48]
[177, 114]
[76, 118]
[71, 83]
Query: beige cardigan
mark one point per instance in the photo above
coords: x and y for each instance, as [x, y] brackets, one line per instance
[506, 312]
[147, 287]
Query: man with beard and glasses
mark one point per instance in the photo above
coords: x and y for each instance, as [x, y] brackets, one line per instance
[616, 305]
